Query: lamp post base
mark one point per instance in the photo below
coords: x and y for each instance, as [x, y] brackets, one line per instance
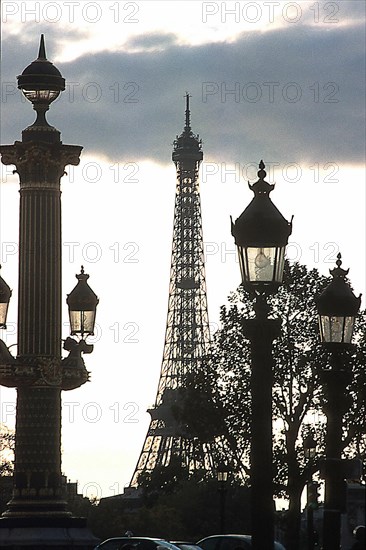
[46, 533]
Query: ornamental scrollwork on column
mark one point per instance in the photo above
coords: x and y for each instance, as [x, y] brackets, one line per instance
[40, 164]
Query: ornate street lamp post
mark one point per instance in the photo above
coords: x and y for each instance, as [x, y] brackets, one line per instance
[37, 515]
[222, 475]
[337, 309]
[261, 234]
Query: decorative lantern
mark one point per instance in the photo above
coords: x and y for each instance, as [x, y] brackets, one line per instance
[261, 234]
[337, 309]
[222, 473]
[41, 83]
[309, 445]
[82, 302]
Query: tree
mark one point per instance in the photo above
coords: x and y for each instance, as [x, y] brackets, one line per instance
[190, 512]
[297, 392]
[7, 440]
[162, 480]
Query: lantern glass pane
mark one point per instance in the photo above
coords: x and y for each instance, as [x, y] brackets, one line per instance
[82, 322]
[222, 476]
[310, 452]
[280, 264]
[261, 264]
[41, 96]
[3, 313]
[243, 264]
[336, 329]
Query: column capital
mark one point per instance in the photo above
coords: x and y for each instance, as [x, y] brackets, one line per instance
[40, 164]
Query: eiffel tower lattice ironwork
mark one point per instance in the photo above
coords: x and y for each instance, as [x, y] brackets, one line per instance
[187, 337]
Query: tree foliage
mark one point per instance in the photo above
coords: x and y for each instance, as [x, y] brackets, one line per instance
[194, 408]
[163, 479]
[190, 512]
[7, 441]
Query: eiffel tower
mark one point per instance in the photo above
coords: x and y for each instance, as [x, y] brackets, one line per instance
[178, 431]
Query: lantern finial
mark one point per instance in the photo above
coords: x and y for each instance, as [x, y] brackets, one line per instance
[261, 172]
[82, 276]
[338, 272]
[42, 49]
[261, 187]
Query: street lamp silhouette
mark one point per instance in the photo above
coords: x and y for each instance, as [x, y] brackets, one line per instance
[37, 515]
[309, 446]
[261, 234]
[337, 308]
[222, 475]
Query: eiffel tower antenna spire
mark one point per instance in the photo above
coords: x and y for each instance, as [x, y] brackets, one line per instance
[188, 113]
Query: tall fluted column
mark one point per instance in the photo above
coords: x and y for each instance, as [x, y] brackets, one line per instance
[37, 476]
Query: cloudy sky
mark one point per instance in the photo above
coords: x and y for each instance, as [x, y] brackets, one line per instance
[282, 81]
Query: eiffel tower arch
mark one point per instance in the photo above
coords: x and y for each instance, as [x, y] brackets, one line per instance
[179, 429]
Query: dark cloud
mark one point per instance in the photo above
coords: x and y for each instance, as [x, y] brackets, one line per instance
[151, 41]
[290, 94]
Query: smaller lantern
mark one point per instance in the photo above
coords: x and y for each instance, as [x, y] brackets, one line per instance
[337, 309]
[5, 294]
[309, 445]
[261, 234]
[222, 473]
[82, 302]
